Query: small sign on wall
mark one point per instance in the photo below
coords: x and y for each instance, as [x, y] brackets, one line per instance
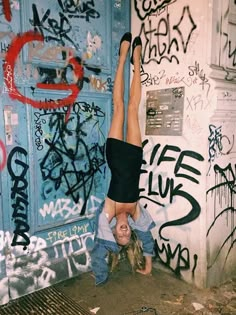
[164, 112]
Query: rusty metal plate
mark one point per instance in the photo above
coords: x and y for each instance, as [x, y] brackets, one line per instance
[46, 301]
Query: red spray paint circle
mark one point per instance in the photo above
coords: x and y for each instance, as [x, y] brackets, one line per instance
[11, 56]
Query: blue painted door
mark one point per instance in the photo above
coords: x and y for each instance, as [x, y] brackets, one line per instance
[9, 27]
[58, 62]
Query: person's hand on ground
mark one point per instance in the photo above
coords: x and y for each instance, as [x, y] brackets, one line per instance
[148, 266]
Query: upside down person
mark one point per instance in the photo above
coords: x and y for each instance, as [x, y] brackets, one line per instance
[121, 220]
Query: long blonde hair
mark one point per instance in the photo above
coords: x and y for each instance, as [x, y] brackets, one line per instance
[133, 251]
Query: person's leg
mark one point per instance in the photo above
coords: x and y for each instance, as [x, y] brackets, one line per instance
[117, 124]
[133, 129]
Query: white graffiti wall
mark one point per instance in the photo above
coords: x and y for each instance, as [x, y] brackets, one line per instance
[188, 127]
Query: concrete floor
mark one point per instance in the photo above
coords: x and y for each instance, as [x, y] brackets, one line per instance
[161, 293]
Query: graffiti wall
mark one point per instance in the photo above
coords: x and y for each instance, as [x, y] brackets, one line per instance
[57, 64]
[221, 213]
[57, 61]
[188, 121]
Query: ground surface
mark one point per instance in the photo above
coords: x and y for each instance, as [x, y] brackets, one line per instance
[161, 293]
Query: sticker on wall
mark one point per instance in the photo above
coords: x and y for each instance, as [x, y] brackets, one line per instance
[164, 112]
[8, 124]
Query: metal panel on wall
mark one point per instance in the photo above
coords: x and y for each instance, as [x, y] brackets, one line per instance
[56, 102]
[81, 28]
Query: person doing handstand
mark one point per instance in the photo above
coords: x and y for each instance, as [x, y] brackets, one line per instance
[120, 215]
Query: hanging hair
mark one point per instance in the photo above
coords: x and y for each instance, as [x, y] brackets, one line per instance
[132, 251]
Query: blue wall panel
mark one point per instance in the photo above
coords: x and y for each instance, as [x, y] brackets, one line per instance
[58, 60]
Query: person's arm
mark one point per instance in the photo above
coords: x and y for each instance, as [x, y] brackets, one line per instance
[148, 250]
[147, 241]
[104, 242]
[142, 226]
[98, 263]
[148, 266]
